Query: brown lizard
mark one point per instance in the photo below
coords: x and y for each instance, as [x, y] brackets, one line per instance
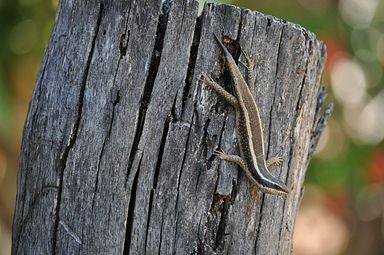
[248, 128]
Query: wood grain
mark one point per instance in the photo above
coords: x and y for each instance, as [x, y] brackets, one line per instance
[117, 146]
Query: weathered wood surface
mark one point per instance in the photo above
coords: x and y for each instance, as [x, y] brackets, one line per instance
[118, 142]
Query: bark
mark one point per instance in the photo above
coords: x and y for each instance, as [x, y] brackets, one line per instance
[117, 146]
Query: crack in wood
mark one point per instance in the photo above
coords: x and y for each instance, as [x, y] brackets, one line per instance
[161, 232]
[156, 174]
[260, 220]
[131, 210]
[221, 234]
[161, 152]
[148, 87]
[73, 136]
[70, 232]
[144, 102]
[275, 89]
[224, 216]
[114, 103]
[173, 110]
[216, 223]
[124, 38]
[179, 177]
[181, 169]
[191, 64]
[259, 223]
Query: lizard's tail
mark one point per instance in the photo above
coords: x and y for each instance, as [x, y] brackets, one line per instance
[226, 52]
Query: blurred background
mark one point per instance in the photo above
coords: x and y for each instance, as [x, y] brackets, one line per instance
[343, 207]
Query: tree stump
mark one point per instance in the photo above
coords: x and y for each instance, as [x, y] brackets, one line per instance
[117, 153]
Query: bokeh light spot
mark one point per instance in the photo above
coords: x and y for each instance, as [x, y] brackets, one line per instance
[358, 12]
[371, 120]
[348, 82]
[316, 225]
[365, 124]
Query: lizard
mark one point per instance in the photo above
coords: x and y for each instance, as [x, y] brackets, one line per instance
[249, 129]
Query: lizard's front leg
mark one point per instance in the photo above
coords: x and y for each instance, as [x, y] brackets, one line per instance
[231, 158]
[219, 90]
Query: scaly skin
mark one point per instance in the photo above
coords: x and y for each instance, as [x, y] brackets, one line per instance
[249, 131]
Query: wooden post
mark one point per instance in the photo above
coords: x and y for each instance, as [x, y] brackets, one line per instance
[117, 148]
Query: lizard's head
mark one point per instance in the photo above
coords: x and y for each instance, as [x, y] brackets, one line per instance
[275, 187]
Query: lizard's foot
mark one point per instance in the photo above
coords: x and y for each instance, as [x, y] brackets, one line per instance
[274, 161]
[219, 153]
[204, 77]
